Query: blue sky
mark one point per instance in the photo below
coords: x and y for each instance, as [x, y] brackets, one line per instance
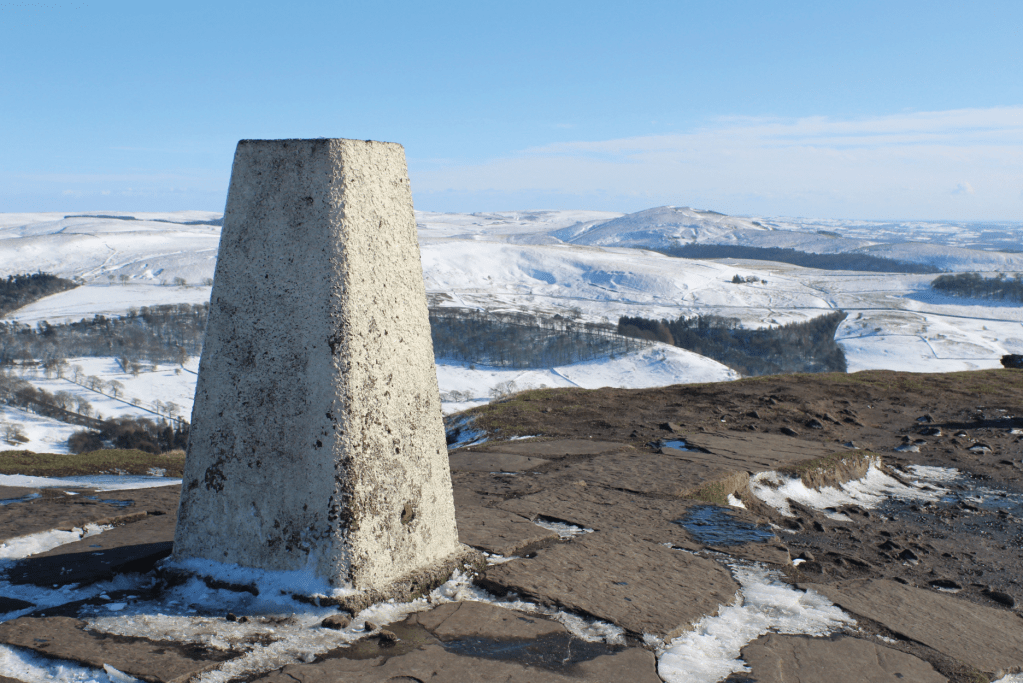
[891, 110]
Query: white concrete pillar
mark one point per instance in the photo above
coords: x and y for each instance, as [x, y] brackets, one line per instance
[317, 444]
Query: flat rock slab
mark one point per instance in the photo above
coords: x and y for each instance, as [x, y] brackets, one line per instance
[157, 499]
[769, 552]
[483, 620]
[499, 531]
[471, 461]
[646, 473]
[986, 638]
[640, 586]
[554, 450]
[604, 509]
[149, 660]
[799, 659]
[133, 547]
[757, 452]
[15, 492]
[58, 509]
[433, 662]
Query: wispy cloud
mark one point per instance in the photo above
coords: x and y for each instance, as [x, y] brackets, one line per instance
[900, 165]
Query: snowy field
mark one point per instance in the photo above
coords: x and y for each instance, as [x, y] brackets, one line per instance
[592, 265]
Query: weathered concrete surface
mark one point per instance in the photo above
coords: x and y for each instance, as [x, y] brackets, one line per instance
[317, 442]
[434, 663]
[642, 587]
[986, 638]
[799, 659]
[149, 660]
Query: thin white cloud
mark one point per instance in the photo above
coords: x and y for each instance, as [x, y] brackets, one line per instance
[899, 165]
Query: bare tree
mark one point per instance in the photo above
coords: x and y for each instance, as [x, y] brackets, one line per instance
[82, 405]
[503, 389]
[13, 433]
[180, 282]
[124, 278]
[115, 388]
[63, 400]
[77, 373]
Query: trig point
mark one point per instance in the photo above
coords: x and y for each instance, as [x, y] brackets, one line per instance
[317, 444]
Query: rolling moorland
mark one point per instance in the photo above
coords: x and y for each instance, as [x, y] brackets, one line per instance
[623, 445]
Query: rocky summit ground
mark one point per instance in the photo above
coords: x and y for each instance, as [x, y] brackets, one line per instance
[636, 493]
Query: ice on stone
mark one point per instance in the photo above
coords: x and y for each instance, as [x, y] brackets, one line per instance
[710, 652]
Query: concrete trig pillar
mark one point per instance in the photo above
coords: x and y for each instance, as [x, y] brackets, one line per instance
[317, 444]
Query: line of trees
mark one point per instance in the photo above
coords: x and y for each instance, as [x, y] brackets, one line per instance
[59, 405]
[20, 290]
[808, 346]
[165, 333]
[519, 340]
[131, 432]
[976, 286]
[152, 436]
[843, 261]
[171, 333]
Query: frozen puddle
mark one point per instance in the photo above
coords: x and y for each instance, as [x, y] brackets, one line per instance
[711, 651]
[777, 489]
[712, 525]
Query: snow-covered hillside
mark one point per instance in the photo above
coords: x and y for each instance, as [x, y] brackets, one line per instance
[668, 226]
[592, 265]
